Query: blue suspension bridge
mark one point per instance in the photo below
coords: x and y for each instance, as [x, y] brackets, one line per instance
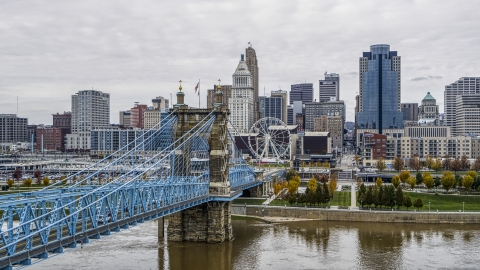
[187, 166]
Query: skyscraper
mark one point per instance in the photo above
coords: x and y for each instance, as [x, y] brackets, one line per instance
[282, 94]
[301, 92]
[241, 103]
[329, 88]
[464, 86]
[90, 109]
[380, 89]
[410, 111]
[252, 63]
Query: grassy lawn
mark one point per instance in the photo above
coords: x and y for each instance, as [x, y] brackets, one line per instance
[341, 198]
[248, 201]
[447, 202]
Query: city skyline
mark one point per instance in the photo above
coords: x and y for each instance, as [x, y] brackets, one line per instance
[50, 52]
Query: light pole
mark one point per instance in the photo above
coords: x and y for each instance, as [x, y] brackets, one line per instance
[428, 206]
[463, 206]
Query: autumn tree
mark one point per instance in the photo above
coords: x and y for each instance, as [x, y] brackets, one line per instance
[404, 175]
[412, 182]
[46, 181]
[448, 180]
[38, 175]
[290, 174]
[428, 181]
[28, 182]
[326, 164]
[10, 183]
[398, 164]
[429, 162]
[476, 164]
[312, 184]
[446, 162]
[465, 162]
[379, 181]
[415, 163]
[17, 174]
[293, 185]
[396, 181]
[456, 165]
[467, 182]
[437, 165]
[332, 187]
[381, 165]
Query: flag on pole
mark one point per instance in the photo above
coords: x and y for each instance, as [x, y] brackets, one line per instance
[196, 87]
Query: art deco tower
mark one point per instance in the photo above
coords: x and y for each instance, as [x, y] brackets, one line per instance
[241, 102]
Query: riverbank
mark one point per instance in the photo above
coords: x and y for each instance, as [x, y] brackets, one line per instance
[281, 214]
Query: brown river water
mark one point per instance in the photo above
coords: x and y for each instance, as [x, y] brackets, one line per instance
[292, 245]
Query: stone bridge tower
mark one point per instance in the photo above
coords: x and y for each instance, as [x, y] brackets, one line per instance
[210, 222]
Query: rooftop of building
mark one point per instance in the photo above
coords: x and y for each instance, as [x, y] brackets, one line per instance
[428, 97]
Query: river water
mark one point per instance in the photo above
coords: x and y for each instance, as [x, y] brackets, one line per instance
[292, 245]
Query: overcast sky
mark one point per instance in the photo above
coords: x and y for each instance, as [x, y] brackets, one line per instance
[136, 50]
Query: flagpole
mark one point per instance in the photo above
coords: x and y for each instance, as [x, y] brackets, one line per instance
[199, 93]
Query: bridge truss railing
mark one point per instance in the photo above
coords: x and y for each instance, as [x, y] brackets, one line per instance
[240, 173]
[166, 181]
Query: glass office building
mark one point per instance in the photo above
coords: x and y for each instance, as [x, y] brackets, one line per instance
[380, 90]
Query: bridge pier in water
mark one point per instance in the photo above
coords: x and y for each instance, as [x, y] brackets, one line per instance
[208, 222]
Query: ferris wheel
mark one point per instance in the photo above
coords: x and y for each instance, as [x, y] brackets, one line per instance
[269, 138]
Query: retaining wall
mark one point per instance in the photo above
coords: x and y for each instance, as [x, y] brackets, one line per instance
[356, 215]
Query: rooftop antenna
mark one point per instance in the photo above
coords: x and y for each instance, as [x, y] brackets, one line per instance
[17, 103]
[264, 91]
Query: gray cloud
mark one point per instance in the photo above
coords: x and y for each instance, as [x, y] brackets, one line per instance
[424, 78]
[136, 50]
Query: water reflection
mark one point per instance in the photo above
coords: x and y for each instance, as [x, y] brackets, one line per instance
[340, 245]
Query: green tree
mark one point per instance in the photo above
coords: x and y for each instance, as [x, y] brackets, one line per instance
[369, 196]
[398, 164]
[428, 181]
[404, 175]
[396, 181]
[412, 182]
[467, 182]
[28, 182]
[379, 181]
[437, 182]
[399, 197]
[377, 200]
[381, 165]
[437, 165]
[419, 178]
[362, 190]
[448, 180]
[407, 202]
[389, 196]
[418, 203]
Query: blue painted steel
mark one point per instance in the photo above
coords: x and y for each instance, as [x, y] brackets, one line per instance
[152, 187]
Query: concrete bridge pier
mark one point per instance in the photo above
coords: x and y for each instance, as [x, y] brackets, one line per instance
[209, 222]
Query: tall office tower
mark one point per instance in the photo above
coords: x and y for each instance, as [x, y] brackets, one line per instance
[410, 113]
[290, 118]
[13, 129]
[467, 117]
[329, 88]
[252, 63]
[271, 107]
[301, 92]
[380, 89]
[464, 86]
[90, 110]
[241, 103]
[283, 95]
[428, 113]
[227, 94]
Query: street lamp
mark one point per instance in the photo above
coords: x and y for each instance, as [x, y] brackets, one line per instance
[428, 206]
[463, 206]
